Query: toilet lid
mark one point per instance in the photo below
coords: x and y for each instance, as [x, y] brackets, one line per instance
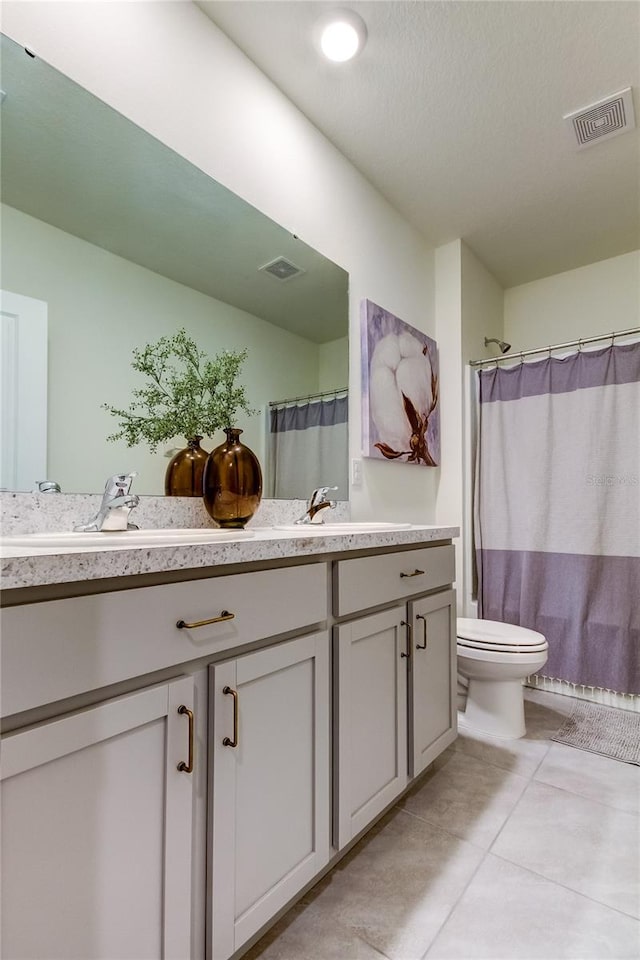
[496, 635]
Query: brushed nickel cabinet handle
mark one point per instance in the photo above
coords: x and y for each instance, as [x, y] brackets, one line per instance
[227, 742]
[422, 646]
[409, 627]
[416, 573]
[225, 615]
[182, 766]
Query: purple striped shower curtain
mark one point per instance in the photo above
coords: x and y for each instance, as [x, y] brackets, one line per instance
[557, 510]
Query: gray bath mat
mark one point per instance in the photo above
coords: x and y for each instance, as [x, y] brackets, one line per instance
[606, 730]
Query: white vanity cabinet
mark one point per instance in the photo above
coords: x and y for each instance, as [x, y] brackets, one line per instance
[371, 719]
[432, 676]
[395, 679]
[102, 834]
[315, 690]
[96, 830]
[270, 794]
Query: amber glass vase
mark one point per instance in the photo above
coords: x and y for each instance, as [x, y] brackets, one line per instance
[185, 472]
[232, 482]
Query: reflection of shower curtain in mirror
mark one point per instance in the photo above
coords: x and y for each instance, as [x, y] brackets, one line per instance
[557, 510]
[307, 448]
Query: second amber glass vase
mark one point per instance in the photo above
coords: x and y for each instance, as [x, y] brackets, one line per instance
[232, 482]
[185, 472]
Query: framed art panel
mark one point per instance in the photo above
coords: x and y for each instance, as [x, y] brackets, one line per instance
[400, 396]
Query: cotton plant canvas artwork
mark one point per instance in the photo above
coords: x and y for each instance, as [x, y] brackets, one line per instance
[401, 412]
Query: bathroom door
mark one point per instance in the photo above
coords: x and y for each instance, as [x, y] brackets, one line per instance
[23, 391]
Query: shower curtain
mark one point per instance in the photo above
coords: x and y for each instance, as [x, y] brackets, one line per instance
[557, 510]
[307, 448]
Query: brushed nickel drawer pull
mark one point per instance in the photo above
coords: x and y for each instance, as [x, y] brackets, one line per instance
[225, 615]
[416, 573]
[182, 766]
[227, 742]
[409, 638]
[422, 646]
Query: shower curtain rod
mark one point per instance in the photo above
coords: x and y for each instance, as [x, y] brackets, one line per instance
[311, 396]
[504, 357]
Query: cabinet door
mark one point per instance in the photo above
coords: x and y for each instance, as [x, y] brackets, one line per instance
[432, 686]
[270, 784]
[96, 831]
[371, 723]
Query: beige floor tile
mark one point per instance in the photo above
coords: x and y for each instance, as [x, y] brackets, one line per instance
[517, 756]
[545, 714]
[468, 798]
[507, 913]
[398, 886]
[307, 934]
[554, 701]
[586, 846]
[592, 776]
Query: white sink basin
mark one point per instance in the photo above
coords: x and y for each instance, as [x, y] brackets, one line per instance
[125, 539]
[328, 529]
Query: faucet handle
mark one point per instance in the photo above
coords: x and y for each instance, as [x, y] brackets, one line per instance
[46, 486]
[119, 483]
[318, 495]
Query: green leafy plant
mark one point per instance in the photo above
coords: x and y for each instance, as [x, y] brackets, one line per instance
[188, 395]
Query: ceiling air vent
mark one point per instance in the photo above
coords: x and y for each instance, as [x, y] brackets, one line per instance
[282, 269]
[604, 119]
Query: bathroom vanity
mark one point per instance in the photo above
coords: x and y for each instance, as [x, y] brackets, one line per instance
[194, 734]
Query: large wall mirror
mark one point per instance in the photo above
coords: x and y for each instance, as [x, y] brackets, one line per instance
[110, 240]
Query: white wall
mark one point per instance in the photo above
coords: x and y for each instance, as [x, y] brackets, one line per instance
[468, 308]
[100, 308]
[482, 316]
[334, 364]
[169, 69]
[482, 307]
[600, 298]
[448, 263]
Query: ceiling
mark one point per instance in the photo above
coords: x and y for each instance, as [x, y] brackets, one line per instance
[454, 112]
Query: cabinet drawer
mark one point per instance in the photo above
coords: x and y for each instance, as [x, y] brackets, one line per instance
[61, 648]
[371, 581]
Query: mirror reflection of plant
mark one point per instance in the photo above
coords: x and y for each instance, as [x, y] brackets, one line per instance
[189, 394]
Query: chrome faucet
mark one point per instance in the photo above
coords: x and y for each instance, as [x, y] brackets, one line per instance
[117, 503]
[317, 503]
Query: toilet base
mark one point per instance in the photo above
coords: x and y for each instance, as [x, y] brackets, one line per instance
[496, 707]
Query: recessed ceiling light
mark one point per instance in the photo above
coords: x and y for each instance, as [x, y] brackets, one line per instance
[341, 34]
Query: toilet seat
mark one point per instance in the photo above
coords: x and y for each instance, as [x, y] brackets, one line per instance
[523, 657]
[492, 635]
[503, 647]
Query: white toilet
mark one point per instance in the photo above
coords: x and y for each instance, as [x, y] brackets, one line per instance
[495, 658]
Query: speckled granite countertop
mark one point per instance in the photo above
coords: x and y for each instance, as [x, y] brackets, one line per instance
[22, 567]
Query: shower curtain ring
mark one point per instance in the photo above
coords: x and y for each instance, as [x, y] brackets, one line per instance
[579, 346]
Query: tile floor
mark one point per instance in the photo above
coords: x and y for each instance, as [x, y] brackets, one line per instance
[517, 850]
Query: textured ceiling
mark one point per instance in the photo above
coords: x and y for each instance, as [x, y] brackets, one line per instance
[454, 112]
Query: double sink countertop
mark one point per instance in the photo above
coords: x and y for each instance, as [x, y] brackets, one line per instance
[24, 564]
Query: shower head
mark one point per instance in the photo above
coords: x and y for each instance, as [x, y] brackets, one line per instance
[504, 347]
